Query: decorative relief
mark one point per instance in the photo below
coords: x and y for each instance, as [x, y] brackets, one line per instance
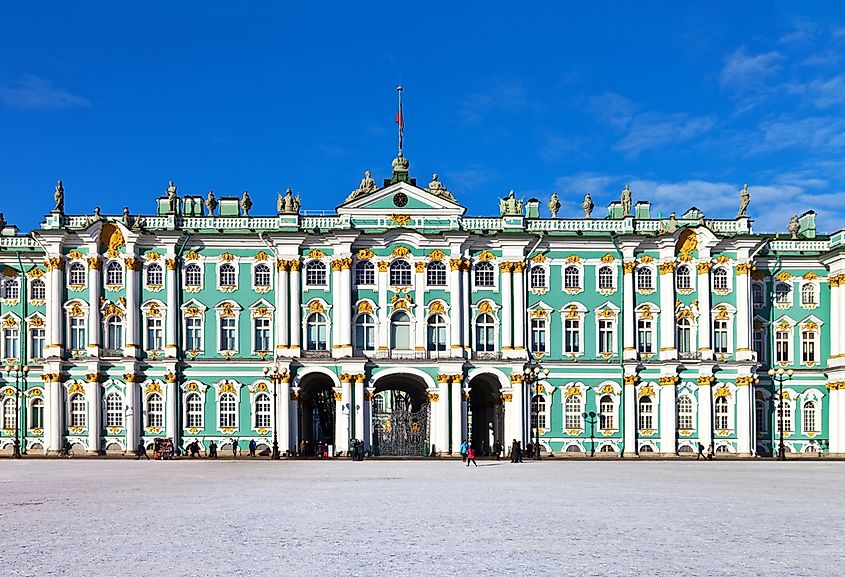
[383, 265]
[783, 276]
[315, 254]
[704, 267]
[262, 256]
[400, 219]
[153, 387]
[667, 267]
[365, 254]
[437, 254]
[486, 255]
[419, 266]
[705, 380]
[400, 251]
[436, 307]
[628, 267]
[743, 268]
[192, 255]
[538, 258]
[316, 307]
[485, 307]
[365, 307]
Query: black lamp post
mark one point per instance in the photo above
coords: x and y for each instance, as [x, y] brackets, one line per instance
[780, 376]
[533, 370]
[591, 419]
[276, 378]
[19, 372]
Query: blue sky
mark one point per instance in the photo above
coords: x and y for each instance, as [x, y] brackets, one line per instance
[684, 101]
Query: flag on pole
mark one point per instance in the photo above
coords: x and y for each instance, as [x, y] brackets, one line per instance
[400, 120]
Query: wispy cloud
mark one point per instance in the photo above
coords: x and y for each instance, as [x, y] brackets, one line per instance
[743, 71]
[502, 95]
[821, 133]
[35, 93]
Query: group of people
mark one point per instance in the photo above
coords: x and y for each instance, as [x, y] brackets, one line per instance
[192, 449]
[708, 456]
[356, 449]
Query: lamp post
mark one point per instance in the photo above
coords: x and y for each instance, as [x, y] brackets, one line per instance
[591, 419]
[275, 378]
[780, 376]
[533, 370]
[19, 372]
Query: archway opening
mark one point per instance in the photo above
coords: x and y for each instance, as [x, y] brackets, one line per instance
[485, 414]
[401, 417]
[316, 414]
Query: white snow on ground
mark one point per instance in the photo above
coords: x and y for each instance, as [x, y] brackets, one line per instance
[115, 517]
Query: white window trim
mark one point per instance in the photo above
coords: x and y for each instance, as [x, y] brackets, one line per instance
[731, 312]
[109, 389]
[84, 307]
[68, 409]
[306, 312]
[791, 330]
[184, 320]
[817, 332]
[496, 326]
[582, 398]
[817, 397]
[728, 276]
[541, 306]
[252, 318]
[762, 286]
[614, 279]
[639, 313]
[790, 400]
[615, 396]
[355, 276]
[580, 312]
[328, 274]
[217, 394]
[790, 300]
[547, 275]
[30, 293]
[474, 287]
[732, 389]
[77, 287]
[145, 314]
[144, 407]
[655, 406]
[816, 294]
[235, 263]
[692, 277]
[253, 397]
[580, 268]
[236, 310]
[375, 325]
[192, 289]
[105, 267]
[201, 391]
[654, 278]
[147, 265]
[608, 306]
[269, 265]
[686, 392]
[17, 325]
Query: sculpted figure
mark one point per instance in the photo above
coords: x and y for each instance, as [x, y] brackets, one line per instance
[126, 219]
[59, 197]
[2, 221]
[211, 203]
[587, 206]
[246, 203]
[744, 201]
[366, 186]
[554, 205]
[626, 201]
[288, 204]
[510, 206]
[172, 199]
[793, 227]
[436, 188]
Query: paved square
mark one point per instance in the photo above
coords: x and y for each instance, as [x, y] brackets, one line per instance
[111, 517]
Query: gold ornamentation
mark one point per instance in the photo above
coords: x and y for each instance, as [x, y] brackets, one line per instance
[316, 307]
[76, 310]
[315, 254]
[705, 380]
[646, 259]
[688, 242]
[75, 255]
[170, 263]
[607, 259]
[745, 381]
[517, 378]
[262, 256]
[227, 309]
[437, 254]
[92, 377]
[723, 312]
[607, 390]
[365, 307]
[630, 379]
[783, 276]
[722, 259]
[507, 397]
[112, 238]
[646, 391]
[436, 307]
[295, 265]
[722, 391]
[539, 314]
[670, 380]
[572, 312]
[227, 257]
[518, 266]
[132, 377]
[505, 266]
[646, 312]
[76, 388]
[704, 267]
[433, 397]
[667, 267]
[152, 255]
[338, 395]
[35, 272]
[486, 255]
[153, 387]
[743, 268]
[485, 307]
[419, 266]
[55, 263]
[538, 258]
[192, 255]
[383, 265]
[51, 377]
[400, 251]
[227, 387]
[400, 219]
[456, 264]
[365, 254]
[153, 310]
[169, 377]
[573, 391]
[606, 314]
[628, 267]
[133, 263]
[340, 264]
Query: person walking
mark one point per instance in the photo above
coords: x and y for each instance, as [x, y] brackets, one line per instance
[497, 448]
[235, 448]
[700, 454]
[252, 446]
[212, 450]
[141, 451]
[518, 451]
[710, 452]
[463, 451]
[471, 456]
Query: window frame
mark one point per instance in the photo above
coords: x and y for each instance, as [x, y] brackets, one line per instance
[435, 269]
[315, 271]
[258, 270]
[366, 269]
[485, 271]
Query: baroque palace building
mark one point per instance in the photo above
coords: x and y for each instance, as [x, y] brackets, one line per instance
[402, 322]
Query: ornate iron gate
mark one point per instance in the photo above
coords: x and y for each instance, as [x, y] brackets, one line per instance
[399, 430]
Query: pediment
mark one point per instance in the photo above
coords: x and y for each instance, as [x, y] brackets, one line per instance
[403, 198]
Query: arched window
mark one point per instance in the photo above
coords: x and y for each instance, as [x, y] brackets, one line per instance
[114, 274]
[572, 412]
[538, 277]
[261, 275]
[435, 274]
[365, 273]
[38, 290]
[808, 294]
[193, 276]
[315, 329]
[10, 414]
[228, 411]
[365, 333]
[315, 273]
[644, 279]
[761, 416]
[436, 333]
[538, 335]
[607, 449]
[194, 413]
[262, 411]
[227, 275]
[538, 412]
[155, 411]
[78, 413]
[782, 293]
[36, 414]
[11, 289]
[757, 295]
[485, 333]
[77, 273]
[720, 278]
[646, 413]
[685, 413]
[605, 278]
[485, 275]
[400, 273]
[721, 415]
[684, 330]
[607, 416]
[155, 275]
[400, 331]
[114, 410]
[571, 277]
[810, 420]
[114, 334]
[683, 278]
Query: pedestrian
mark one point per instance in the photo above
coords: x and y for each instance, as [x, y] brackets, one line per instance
[497, 448]
[252, 446]
[710, 452]
[700, 452]
[235, 448]
[513, 451]
[471, 456]
[519, 451]
[212, 450]
[463, 451]
[141, 451]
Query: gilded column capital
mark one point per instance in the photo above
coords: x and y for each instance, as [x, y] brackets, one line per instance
[455, 263]
[383, 265]
[667, 267]
[518, 266]
[419, 266]
[743, 268]
[295, 265]
[170, 263]
[704, 267]
[133, 263]
[629, 266]
[94, 263]
[705, 380]
[506, 266]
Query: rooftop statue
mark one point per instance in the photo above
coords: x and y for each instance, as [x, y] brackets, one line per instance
[59, 197]
[554, 205]
[97, 216]
[510, 206]
[127, 221]
[793, 227]
[587, 206]
[436, 188]
[211, 203]
[367, 186]
[246, 203]
[2, 221]
[744, 201]
[172, 199]
[287, 204]
[670, 225]
[626, 201]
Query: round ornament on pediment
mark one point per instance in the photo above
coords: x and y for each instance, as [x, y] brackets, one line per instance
[400, 199]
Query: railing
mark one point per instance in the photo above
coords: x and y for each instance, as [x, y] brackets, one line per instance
[575, 225]
[795, 245]
[482, 223]
[486, 355]
[324, 222]
[316, 354]
[690, 356]
[17, 242]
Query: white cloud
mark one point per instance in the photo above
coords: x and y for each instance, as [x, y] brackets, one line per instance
[653, 130]
[32, 92]
[814, 132]
[743, 71]
[508, 95]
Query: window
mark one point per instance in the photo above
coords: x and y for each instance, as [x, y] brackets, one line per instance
[10, 413]
[721, 415]
[572, 412]
[11, 342]
[782, 346]
[685, 412]
[36, 343]
[261, 328]
[571, 336]
[758, 297]
[808, 294]
[761, 416]
[228, 411]
[760, 345]
[484, 275]
[194, 414]
[485, 333]
[114, 333]
[155, 411]
[809, 417]
[784, 415]
[538, 277]
[193, 334]
[155, 275]
[114, 410]
[11, 289]
[538, 412]
[365, 333]
[315, 329]
[605, 278]
[315, 273]
[683, 278]
[227, 275]
[228, 334]
[605, 336]
[114, 274]
[365, 273]
[644, 279]
[77, 333]
[400, 331]
[261, 276]
[400, 273]
[782, 293]
[77, 274]
[155, 333]
[262, 411]
[808, 347]
[435, 274]
[607, 418]
[38, 290]
[193, 276]
[571, 277]
[36, 414]
[646, 413]
[720, 278]
[78, 414]
[538, 335]
[684, 333]
[720, 336]
[436, 333]
[644, 335]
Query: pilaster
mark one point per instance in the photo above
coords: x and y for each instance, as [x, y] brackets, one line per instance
[95, 326]
[668, 350]
[705, 407]
[705, 324]
[282, 279]
[668, 408]
[520, 311]
[132, 346]
[629, 406]
[456, 313]
[746, 445]
[295, 307]
[93, 394]
[629, 350]
[171, 343]
[507, 311]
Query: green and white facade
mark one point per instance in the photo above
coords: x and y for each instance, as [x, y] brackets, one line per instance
[136, 327]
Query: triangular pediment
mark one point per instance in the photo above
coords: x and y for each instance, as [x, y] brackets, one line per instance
[403, 198]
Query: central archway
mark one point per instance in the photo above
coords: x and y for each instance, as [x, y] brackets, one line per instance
[401, 417]
[316, 414]
[485, 414]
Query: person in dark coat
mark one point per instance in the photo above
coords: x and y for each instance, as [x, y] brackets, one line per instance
[700, 454]
[471, 456]
[497, 448]
[235, 448]
[212, 450]
[141, 451]
[252, 446]
[518, 452]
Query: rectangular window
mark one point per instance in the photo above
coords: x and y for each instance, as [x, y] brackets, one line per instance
[227, 334]
[605, 337]
[155, 334]
[572, 336]
[720, 336]
[644, 336]
[262, 335]
[808, 347]
[36, 343]
[11, 342]
[193, 334]
[759, 345]
[782, 346]
[77, 333]
[538, 335]
[36, 414]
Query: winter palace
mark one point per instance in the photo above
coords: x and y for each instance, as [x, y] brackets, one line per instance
[399, 321]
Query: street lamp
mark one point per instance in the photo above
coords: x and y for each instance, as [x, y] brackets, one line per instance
[19, 372]
[780, 376]
[532, 377]
[275, 378]
[591, 419]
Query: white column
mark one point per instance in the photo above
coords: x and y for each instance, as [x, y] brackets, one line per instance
[464, 410]
[629, 406]
[667, 312]
[55, 311]
[668, 420]
[512, 430]
[337, 308]
[295, 307]
[173, 312]
[839, 398]
[283, 414]
[743, 313]
[508, 310]
[92, 394]
[465, 300]
[293, 412]
[95, 328]
[705, 410]
[55, 407]
[444, 424]
[456, 312]
[171, 403]
[419, 317]
[520, 311]
[704, 323]
[341, 415]
[345, 315]
[133, 415]
[518, 410]
[368, 418]
[358, 407]
[454, 388]
[132, 346]
[629, 350]
[282, 342]
[383, 321]
[744, 406]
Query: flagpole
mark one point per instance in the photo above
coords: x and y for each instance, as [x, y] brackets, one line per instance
[400, 120]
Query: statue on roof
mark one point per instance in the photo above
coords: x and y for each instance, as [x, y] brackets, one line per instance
[510, 206]
[211, 203]
[744, 201]
[587, 206]
[793, 227]
[59, 197]
[554, 204]
[2, 221]
[246, 203]
[287, 204]
[127, 221]
[436, 188]
[367, 186]
[626, 201]
[172, 199]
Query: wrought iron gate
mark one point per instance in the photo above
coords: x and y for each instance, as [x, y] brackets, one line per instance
[399, 430]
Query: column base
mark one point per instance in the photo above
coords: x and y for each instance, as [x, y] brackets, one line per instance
[341, 351]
